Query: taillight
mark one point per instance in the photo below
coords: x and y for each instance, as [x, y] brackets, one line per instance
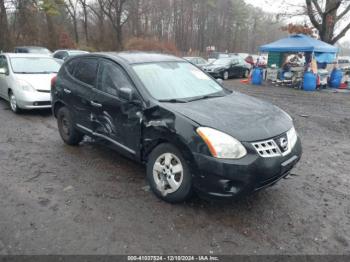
[53, 82]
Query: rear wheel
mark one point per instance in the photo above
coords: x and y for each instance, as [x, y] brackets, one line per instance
[225, 75]
[67, 129]
[168, 174]
[13, 103]
[246, 73]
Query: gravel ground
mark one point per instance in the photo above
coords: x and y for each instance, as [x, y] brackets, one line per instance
[56, 199]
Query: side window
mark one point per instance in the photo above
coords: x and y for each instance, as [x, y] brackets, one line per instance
[64, 55]
[86, 70]
[3, 63]
[111, 78]
[70, 66]
[59, 55]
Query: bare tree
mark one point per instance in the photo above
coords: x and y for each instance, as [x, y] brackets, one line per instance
[118, 15]
[84, 6]
[327, 16]
[72, 9]
[4, 29]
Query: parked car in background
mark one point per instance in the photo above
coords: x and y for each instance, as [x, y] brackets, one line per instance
[163, 111]
[242, 55]
[62, 55]
[25, 80]
[32, 50]
[229, 67]
[198, 61]
[216, 55]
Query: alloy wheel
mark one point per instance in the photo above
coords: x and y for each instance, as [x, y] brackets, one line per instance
[168, 173]
[13, 103]
[225, 75]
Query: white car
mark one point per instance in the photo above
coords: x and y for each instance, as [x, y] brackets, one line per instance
[25, 80]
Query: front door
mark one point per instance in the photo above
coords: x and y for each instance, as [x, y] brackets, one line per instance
[116, 120]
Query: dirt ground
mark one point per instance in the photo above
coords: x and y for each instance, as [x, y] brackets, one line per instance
[56, 199]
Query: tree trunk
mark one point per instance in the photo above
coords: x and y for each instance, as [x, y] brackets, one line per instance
[4, 30]
[85, 22]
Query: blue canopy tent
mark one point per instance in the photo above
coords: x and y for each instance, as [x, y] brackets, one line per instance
[325, 53]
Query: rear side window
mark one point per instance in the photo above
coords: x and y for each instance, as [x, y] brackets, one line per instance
[70, 66]
[85, 70]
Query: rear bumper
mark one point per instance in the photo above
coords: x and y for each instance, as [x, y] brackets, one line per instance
[33, 100]
[234, 178]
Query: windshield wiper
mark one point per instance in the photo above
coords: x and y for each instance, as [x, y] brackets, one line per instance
[173, 100]
[206, 97]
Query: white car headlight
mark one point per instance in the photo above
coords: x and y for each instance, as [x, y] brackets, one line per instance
[220, 144]
[26, 86]
[292, 137]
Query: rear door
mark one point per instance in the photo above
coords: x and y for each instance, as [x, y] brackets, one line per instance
[115, 119]
[78, 91]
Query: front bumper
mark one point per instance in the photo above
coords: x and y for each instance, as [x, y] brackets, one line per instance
[234, 178]
[33, 100]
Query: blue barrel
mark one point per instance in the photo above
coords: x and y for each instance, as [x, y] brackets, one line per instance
[257, 76]
[310, 81]
[336, 77]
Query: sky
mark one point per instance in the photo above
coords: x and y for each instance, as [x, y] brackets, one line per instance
[280, 6]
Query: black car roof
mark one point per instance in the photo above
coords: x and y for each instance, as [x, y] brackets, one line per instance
[141, 57]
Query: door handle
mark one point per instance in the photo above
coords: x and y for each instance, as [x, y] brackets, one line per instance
[67, 91]
[94, 104]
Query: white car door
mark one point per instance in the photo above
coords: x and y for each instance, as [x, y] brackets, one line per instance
[4, 76]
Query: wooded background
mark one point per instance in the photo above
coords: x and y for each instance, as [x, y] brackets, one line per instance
[176, 26]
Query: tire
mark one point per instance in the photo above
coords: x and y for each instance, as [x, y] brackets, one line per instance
[173, 186]
[225, 75]
[66, 127]
[13, 103]
[245, 74]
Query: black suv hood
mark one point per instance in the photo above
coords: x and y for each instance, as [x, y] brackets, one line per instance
[243, 117]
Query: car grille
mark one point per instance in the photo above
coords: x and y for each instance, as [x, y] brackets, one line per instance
[267, 148]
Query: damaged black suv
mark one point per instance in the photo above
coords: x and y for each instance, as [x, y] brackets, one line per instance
[192, 133]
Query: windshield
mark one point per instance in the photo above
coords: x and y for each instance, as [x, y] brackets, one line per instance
[34, 65]
[223, 61]
[176, 80]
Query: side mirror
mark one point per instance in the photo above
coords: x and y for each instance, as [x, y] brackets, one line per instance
[126, 93]
[3, 71]
[220, 81]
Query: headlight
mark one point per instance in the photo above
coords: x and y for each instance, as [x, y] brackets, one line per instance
[26, 86]
[220, 144]
[292, 137]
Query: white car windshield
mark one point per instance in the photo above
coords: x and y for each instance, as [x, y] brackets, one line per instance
[176, 80]
[34, 65]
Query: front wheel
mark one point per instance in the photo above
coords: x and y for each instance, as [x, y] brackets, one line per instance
[13, 103]
[225, 75]
[168, 174]
[66, 127]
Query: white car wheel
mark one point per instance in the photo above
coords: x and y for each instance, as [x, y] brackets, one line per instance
[13, 103]
[225, 75]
